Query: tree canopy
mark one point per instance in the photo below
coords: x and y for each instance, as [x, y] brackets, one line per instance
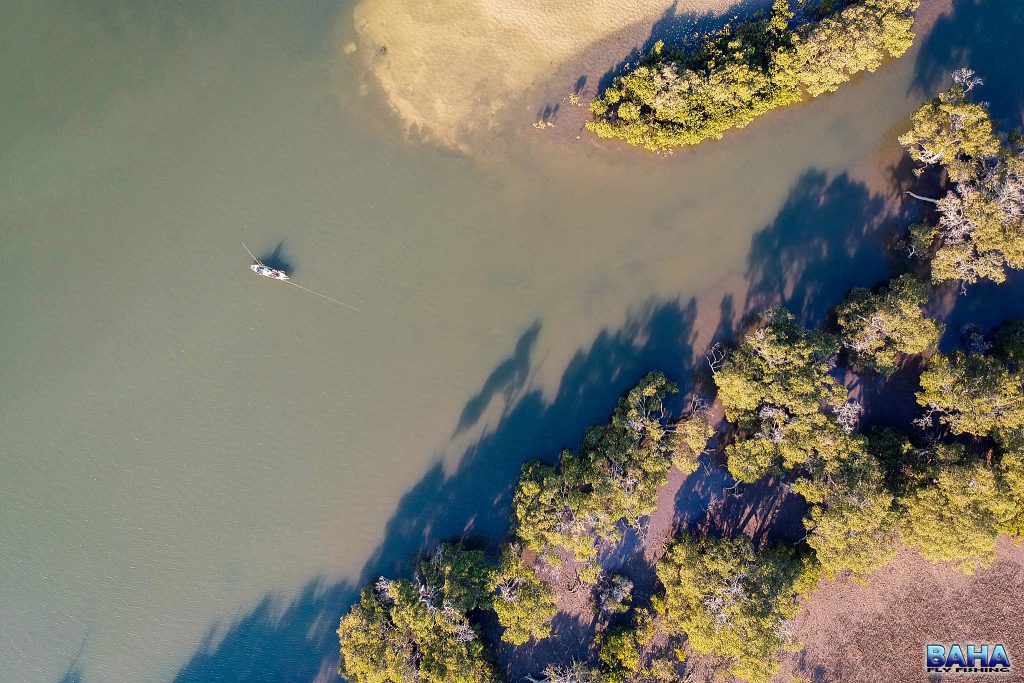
[550, 511]
[620, 647]
[456, 576]
[732, 601]
[858, 38]
[954, 514]
[952, 131]
[777, 388]
[392, 636]
[628, 459]
[614, 477]
[973, 393]
[852, 522]
[980, 227]
[525, 604]
[879, 328]
[729, 77]
[1010, 480]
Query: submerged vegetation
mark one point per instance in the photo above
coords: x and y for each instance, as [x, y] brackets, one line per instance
[675, 97]
[788, 417]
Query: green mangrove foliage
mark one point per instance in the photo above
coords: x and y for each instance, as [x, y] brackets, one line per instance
[620, 647]
[629, 458]
[1010, 479]
[774, 388]
[952, 131]
[980, 227]
[734, 602]
[852, 521]
[614, 477]
[896, 455]
[525, 604]
[890, 492]
[958, 492]
[393, 636]
[858, 38]
[455, 576]
[880, 328]
[894, 492]
[940, 487]
[729, 77]
[550, 511]
[973, 393]
[692, 435]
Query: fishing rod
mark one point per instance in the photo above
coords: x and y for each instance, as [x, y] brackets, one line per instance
[340, 303]
[252, 254]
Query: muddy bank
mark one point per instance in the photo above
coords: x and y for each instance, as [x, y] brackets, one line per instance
[875, 632]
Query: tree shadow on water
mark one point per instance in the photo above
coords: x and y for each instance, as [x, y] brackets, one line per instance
[507, 379]
[281, 639]
[984, 36]
[829, 236]
[292, 639]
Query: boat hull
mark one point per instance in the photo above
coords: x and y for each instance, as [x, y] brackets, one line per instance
[267, 271]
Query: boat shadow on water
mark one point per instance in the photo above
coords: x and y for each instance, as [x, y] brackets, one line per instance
[278, 259]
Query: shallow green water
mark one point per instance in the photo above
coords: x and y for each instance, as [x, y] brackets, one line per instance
[186, 447]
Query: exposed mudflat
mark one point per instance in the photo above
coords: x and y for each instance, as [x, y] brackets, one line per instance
[874, 632]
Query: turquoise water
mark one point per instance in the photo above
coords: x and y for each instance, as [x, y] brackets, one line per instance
[198, 464]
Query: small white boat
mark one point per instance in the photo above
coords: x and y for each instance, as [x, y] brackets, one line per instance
[263, 269]
[267, 271]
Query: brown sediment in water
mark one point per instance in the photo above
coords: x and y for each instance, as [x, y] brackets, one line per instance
[450, 67]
